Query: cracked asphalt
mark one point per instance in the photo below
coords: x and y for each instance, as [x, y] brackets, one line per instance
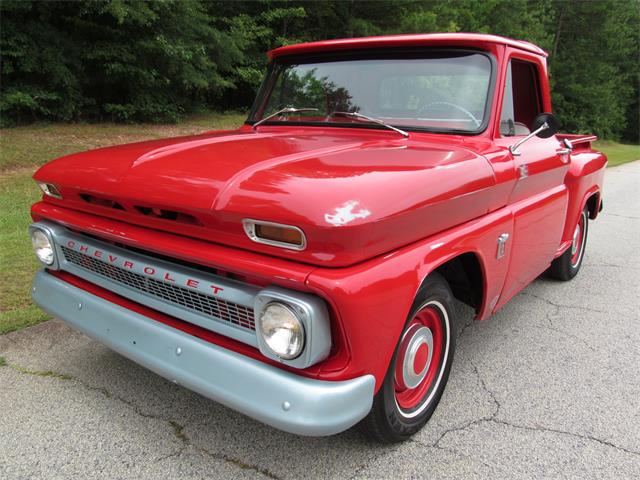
[548, 387]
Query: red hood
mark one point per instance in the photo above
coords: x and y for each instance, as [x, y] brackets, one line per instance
[355, 193]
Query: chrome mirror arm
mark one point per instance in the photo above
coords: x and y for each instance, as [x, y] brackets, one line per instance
[514, 148]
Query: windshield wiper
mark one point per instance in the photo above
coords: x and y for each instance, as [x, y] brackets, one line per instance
[372, 120]
[285, 110]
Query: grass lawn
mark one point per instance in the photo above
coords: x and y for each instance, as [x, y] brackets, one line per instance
[23, 149]
[618, 153]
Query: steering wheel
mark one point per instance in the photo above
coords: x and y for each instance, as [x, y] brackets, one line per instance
[462, 109]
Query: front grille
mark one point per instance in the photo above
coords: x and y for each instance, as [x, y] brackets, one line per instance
[195, 301]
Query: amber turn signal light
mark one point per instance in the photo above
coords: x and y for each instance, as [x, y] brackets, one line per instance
[50, 190]
[275, 234]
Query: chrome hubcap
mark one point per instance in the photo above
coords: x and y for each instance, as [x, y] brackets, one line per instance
[576, 237]
[417, 353]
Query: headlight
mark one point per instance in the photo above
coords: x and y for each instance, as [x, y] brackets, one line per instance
[42, 247]
[282, 330]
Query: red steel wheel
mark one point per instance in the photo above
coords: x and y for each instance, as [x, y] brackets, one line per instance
[567, 265]
[419, 358]
[419, 369]
[577, 247]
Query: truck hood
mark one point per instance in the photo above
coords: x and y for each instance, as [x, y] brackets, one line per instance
[355, 193]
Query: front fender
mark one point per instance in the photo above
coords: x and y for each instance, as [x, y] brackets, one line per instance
[372, 300]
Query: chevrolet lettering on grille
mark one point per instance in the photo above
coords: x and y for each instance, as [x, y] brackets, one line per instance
[207, 299]
[141, 268]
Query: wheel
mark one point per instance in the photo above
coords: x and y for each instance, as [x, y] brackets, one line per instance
[567, 265]
[420, 366]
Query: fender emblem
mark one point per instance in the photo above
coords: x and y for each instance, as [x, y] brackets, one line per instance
[523, 170]
[502, 240]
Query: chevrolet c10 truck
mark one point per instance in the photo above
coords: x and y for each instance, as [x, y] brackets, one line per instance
[302, 269]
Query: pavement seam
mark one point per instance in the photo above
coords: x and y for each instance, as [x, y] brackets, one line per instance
[610, 265]
[178, 429]
[386, 452]
[559, 306]
[179, 433]
[621, 216]
[539, 428]
[470, 423]
[552, 326]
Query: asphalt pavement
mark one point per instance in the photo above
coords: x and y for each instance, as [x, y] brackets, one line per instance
[549, 387]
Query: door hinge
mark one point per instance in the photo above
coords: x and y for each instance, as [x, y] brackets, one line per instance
[502, 240]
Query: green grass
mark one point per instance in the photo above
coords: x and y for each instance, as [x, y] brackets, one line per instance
[618, 153]
[23, 149]
[17, 262]
[36, 144]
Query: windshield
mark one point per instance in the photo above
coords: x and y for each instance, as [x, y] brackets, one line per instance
[441, 92]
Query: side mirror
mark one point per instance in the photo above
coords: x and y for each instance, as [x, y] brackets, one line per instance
[547, 120]
[544, 125]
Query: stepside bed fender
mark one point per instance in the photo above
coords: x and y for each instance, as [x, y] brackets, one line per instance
[584, 181]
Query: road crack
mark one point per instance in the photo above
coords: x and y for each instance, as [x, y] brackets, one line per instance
[492, 418]
[540, 428]
[177, 428]
[559, 305]
[476, 421]
[621, 216]
[37, 373]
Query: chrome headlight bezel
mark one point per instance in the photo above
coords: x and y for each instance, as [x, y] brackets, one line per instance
[43, 230]
[313, 315]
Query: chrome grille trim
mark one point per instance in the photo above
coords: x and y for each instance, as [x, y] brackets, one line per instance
[214, 302]
[185, 291]
[239, 315]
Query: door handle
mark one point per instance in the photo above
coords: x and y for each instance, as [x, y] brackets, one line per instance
[563, 153]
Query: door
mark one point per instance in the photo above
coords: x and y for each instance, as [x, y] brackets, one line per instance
[539, 196]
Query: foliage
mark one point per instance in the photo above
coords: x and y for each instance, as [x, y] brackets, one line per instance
[129, 60]
[111, 59]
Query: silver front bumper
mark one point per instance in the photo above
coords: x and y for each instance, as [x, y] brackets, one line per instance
[278, 398]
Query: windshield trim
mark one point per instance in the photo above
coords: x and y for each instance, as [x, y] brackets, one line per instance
[369, 54]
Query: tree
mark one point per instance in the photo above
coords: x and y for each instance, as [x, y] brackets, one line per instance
[131, 60]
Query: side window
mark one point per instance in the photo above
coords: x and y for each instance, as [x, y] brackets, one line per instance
[522, 100]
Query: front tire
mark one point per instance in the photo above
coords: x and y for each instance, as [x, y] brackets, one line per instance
[420, 366]
[567, 265]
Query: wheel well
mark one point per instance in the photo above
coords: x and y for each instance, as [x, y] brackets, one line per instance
[592, 205]
[464, 275]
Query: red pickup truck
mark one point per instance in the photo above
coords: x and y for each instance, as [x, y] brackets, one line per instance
[302, 269]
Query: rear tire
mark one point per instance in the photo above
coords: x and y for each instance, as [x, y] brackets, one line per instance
[420, 366]
[567, 265]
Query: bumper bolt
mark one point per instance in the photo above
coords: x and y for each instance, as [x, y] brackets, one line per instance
[178, 351]
[286, 406]
[80, 306]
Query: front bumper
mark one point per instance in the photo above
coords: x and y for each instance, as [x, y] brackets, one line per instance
[273, 396]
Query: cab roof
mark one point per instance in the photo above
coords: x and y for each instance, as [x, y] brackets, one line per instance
[417, 40]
